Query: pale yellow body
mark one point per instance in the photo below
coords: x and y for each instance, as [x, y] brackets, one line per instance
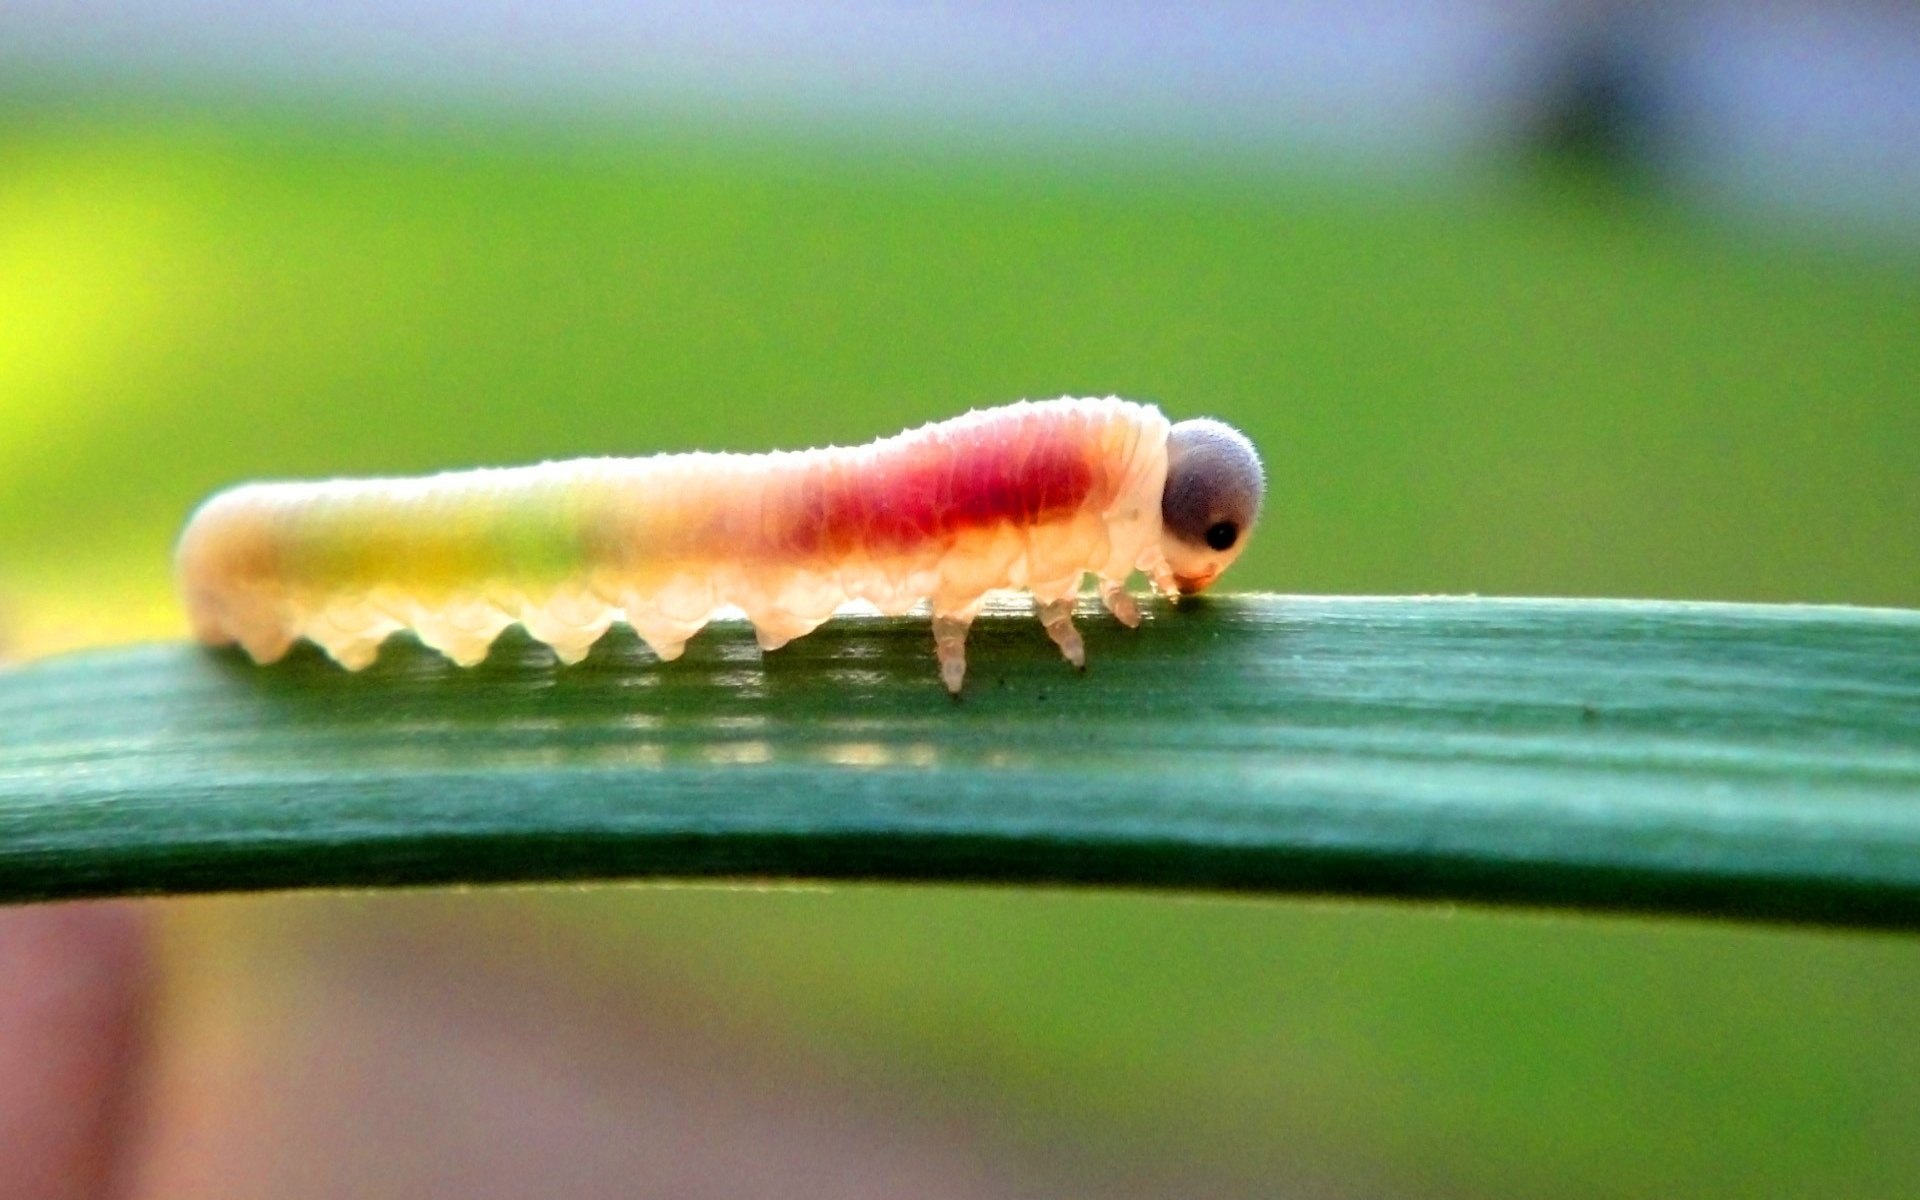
[665, 543]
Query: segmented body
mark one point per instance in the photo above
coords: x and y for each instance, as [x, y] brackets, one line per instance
[1030, 495]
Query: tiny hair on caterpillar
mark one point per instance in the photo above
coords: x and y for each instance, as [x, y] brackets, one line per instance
[1034, 495]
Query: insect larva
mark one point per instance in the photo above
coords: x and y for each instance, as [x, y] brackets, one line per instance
[1030, 495]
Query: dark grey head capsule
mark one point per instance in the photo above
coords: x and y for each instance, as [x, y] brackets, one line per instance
[1212, 498]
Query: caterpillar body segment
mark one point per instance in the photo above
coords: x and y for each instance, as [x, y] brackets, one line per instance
[1030, 495]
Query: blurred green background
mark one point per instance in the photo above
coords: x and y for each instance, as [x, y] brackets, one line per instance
[1541, 372]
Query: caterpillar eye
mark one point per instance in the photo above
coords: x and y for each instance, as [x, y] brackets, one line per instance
[1222, 534]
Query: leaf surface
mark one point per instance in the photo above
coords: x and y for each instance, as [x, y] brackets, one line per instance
[1758, 762]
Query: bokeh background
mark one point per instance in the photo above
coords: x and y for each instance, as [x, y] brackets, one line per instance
[1568, 299]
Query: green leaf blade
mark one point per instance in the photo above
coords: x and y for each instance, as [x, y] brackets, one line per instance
[1749, 761]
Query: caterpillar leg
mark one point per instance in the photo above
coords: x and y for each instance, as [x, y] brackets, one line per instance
[262, 628]
[1161, 576]
[462, 629]
[350, 631]
[570, 623]
[775, 629]
[264, 643]
[1056, 617]
[356, 653]
[1120, 602]
[950, 646]
[665, 634]
[668, 641]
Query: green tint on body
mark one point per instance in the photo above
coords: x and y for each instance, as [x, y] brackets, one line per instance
[462, 538]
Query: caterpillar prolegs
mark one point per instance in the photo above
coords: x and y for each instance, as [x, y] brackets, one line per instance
[1033, 496]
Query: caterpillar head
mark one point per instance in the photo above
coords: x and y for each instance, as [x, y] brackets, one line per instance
[1212, 499]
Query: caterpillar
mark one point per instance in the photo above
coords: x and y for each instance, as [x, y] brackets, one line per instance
[1032, 495]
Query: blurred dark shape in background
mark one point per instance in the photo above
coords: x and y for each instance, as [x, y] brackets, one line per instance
[1603, 113]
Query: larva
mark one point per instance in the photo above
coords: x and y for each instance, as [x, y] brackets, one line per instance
[1029, 495]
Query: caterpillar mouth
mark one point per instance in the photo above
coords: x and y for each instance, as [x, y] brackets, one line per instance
[1192, 584]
